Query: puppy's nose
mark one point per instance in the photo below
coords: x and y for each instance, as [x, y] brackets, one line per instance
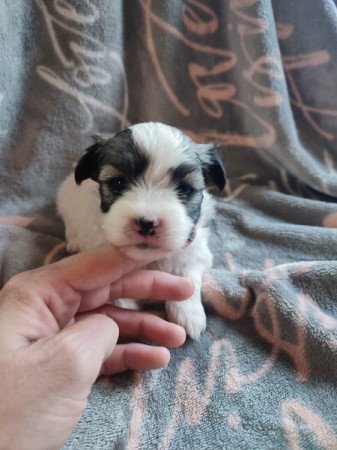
[146, 227]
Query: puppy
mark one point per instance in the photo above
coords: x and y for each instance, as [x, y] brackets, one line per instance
[144, 191]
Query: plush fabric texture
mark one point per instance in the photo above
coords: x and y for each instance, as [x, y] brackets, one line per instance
[257, 76]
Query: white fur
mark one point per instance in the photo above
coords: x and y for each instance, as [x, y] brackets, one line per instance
[87, 227]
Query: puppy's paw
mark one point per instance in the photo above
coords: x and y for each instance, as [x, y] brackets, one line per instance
[189, 314]
[72, 247]
[127, 303]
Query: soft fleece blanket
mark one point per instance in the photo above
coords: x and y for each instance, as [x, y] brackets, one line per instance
[260, 78]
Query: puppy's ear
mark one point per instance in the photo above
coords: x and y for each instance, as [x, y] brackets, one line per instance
[88, 165]
[212, 167]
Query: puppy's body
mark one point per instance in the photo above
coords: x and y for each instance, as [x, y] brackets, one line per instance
[144, 192]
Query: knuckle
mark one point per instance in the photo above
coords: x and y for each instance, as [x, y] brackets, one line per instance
[13, 291]
[71, 352]
[20, 287]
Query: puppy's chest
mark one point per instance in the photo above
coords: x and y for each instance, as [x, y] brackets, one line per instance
[195, 258]
[175, 265]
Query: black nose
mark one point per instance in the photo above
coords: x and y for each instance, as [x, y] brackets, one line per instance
[146, 227]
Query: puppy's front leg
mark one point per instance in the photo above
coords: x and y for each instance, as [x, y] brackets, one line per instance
[189, 313]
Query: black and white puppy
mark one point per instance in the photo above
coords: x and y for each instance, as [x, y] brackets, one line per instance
[143, 191]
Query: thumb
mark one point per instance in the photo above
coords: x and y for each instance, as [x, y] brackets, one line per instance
[84, 346]
[60, 371]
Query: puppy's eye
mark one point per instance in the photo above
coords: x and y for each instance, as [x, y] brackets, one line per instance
[185, 190]
[117, 184]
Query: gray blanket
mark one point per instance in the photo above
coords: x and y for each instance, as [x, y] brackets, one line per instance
[259, 78]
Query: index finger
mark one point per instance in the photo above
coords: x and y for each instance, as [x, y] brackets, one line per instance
[141, 285]
[60, 286]
[93, 269]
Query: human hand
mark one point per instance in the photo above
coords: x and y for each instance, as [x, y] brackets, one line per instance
[57, 334]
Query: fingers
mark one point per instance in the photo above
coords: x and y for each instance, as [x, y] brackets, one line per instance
[140, 284]
[85, 345]
[144, 326]
[59, 286]
[97, 340]
[144, 284]
[84, 282]
[93, 269]
[135, 357]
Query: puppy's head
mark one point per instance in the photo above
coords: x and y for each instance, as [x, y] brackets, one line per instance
[151, 179]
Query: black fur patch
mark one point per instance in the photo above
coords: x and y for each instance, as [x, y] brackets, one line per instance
[122, 153]
[108, 196]
[213, 170]
[193, 207]
[180, 172]
[187, 181]
[88, 165]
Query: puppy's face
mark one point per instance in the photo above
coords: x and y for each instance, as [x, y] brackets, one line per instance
[151, 180]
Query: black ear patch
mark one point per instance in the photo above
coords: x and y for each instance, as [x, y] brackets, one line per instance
[212, 167]
[121, 152]
[88, 165]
